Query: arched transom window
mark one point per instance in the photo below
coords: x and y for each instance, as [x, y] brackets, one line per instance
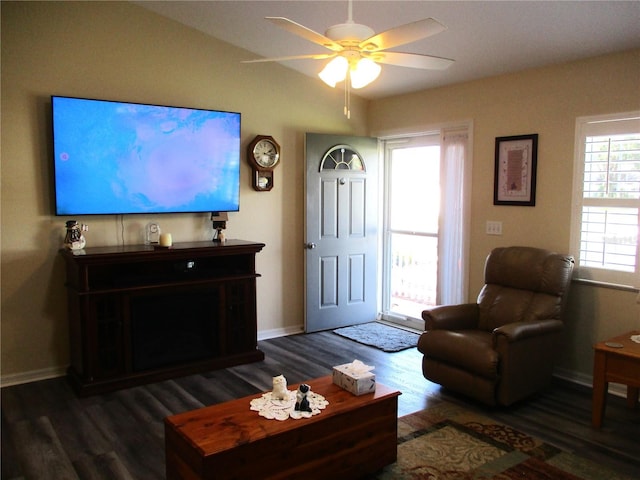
[342, 157]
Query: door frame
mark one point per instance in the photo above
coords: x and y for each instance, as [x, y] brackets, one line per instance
[455, 176]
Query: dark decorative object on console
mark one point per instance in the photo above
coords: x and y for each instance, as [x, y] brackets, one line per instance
[219, 223]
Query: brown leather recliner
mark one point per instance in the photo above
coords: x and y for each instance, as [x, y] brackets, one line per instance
[502, 348]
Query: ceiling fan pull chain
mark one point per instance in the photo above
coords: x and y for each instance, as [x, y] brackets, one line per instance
[347, 96]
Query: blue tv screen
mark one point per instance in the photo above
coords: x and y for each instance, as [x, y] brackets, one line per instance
[121, 158]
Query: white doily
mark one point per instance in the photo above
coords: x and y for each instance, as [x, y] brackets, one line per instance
[272, 408]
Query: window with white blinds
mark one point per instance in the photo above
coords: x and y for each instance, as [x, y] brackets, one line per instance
[607, 198]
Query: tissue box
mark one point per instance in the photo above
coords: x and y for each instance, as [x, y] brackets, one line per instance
[357, 383]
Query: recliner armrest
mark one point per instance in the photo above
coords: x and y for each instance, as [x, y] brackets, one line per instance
[517, 331]
[452, 317]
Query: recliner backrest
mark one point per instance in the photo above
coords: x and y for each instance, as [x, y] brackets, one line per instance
[522, 284]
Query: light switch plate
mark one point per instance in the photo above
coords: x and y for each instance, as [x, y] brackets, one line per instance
[494, 227]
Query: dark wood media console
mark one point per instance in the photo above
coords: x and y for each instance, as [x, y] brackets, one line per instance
[139, 314]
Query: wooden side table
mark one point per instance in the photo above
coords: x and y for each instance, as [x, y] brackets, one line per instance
[616, 360]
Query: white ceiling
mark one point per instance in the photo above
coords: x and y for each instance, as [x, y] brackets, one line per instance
[485, 38]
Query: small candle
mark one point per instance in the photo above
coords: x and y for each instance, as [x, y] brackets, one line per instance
[165, 240]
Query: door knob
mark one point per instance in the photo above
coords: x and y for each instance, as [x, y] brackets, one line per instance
[310, 246]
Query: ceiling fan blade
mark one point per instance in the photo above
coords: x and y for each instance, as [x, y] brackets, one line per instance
[403, 34]
[412, 60]
[318, 56]
[305, 33]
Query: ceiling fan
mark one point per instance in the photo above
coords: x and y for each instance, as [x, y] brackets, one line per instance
[357, 51]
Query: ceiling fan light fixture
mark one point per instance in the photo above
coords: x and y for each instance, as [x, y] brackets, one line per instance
[335, 71]
[364, 72]
[357, 51]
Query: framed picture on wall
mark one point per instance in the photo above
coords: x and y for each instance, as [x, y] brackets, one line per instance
[515, 170]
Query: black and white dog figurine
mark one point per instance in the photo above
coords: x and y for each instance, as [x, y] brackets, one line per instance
[302, 402]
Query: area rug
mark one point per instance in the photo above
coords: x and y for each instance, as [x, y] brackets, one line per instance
[448, 442]
[379, 335]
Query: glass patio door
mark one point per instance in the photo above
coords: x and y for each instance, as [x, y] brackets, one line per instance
[410, 280]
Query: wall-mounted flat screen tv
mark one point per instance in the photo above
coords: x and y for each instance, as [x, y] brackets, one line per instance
[121, 158]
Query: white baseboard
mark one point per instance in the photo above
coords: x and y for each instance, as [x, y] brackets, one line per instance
[280, 332]
[32, 376]
[54, 372]
[616, 389]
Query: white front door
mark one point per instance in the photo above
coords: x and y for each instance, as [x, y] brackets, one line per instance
[341, 230]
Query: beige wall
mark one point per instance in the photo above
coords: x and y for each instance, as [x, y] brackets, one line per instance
[123, 52]
[116, 50]
[545, 101]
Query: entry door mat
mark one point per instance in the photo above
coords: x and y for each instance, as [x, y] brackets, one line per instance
[380, 336]
[447, 441]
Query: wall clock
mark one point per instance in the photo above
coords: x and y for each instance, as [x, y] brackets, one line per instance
[263, 154]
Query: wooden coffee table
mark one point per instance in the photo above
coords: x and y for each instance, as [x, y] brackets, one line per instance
[353, 436]
[616, 360]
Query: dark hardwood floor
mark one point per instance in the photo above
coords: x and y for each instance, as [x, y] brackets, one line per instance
[49, 433]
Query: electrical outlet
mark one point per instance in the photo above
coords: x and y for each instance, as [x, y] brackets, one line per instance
[494, 228]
